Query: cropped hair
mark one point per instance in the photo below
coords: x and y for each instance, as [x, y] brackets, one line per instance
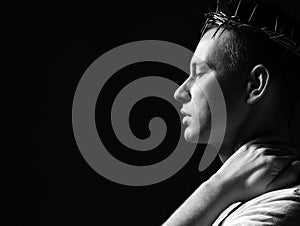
[261, 33]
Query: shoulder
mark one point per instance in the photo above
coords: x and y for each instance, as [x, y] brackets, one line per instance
[280, 207]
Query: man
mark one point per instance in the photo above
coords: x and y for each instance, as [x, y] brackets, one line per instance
[253, 61]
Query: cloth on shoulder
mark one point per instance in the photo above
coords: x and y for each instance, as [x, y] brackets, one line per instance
[280, 208]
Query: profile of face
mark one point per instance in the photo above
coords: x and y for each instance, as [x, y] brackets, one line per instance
[209, 61]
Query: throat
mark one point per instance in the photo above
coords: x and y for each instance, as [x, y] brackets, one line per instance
[229, 147]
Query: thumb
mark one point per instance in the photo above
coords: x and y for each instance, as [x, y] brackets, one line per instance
[290, 174]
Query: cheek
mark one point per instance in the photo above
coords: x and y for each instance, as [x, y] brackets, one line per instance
[235, 100]
[203, 91]
[234, 91]
[201, 106]
[200, 121]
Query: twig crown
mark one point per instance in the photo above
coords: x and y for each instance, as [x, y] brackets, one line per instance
[233, 21]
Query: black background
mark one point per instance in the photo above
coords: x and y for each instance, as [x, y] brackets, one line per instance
[49, 182]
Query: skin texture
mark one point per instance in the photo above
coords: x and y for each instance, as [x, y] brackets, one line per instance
[251, 98]
[253, 162]
[210, 61]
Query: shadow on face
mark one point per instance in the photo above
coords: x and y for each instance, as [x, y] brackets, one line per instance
[209, 62]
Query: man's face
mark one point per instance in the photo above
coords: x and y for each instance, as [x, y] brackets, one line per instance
[208, 61]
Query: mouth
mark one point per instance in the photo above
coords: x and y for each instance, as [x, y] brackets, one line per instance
[185, 119]
[186, 116]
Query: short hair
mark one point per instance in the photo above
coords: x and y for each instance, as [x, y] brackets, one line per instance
[247, 47]
[263, 14]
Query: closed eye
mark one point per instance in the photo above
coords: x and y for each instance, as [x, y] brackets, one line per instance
[198, 69]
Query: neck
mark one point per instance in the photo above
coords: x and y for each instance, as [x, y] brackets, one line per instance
[233, 141]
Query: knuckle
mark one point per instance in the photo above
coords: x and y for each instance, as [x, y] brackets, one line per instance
[258, 152]
[270, 161]
[263, 150]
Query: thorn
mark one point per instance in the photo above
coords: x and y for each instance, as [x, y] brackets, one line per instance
[223, 14]
[276, 24]
[202, 32]
[225, 25]
[218, 5]
[204, 27]
[237, 8]
[253, 12]
[215, 33]
[277, 36]
[292, 33]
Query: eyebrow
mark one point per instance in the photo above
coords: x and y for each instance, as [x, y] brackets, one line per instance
[208, 63]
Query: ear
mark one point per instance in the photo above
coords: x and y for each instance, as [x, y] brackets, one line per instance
[257, 86]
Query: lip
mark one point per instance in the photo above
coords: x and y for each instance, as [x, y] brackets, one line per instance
[184, 113]
[185, 119]
[186, 116]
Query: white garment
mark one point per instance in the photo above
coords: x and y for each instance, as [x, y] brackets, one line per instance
[280, 207]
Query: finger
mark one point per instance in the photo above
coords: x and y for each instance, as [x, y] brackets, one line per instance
[272, 148]
[282, 160]
[279, 150]
[288, 175]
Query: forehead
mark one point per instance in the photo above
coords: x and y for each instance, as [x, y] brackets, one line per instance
[211, 49]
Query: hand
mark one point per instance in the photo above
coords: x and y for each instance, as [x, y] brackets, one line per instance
[254, 169]
[258, 167]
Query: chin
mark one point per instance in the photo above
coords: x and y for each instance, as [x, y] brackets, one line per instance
[192, 135]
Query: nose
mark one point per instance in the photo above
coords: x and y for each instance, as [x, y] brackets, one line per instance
[182, 94]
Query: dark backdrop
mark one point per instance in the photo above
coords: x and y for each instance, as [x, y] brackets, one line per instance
[49, 181]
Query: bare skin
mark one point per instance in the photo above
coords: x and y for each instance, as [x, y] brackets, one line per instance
[249, 172]
[257, 166]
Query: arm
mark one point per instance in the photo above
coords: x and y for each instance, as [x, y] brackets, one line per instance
[249, 172]
[203, 206]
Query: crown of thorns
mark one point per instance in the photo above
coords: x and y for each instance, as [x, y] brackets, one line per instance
[222, 20]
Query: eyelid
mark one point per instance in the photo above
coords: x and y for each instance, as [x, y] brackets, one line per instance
[200, 74]
[201, 69]
[202, 64]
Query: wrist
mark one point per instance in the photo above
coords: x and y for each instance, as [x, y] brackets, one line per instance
[223, 188]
